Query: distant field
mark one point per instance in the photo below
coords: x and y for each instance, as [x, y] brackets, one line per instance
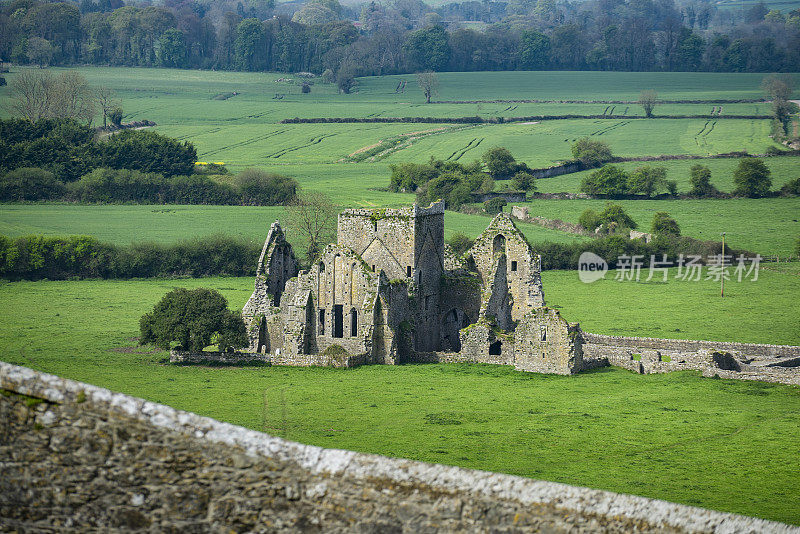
[766, 226]
[783, 170]
[683, 309]
[648, 435]
[166, 224]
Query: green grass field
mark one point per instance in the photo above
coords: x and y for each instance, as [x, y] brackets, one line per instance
[649, 435]
[720, 444]
[124, 224]
[766, 226]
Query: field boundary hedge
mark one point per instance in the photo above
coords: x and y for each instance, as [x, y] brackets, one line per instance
[37, 257]
[500, 120]
[535, 101]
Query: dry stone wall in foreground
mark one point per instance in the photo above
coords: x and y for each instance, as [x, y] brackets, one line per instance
[77, 458]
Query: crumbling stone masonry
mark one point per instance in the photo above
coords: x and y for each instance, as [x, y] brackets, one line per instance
[390, 291]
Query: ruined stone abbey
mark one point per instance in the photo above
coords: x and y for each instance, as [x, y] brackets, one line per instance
[391, 291]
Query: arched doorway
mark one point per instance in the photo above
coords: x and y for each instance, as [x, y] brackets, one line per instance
[453, 321]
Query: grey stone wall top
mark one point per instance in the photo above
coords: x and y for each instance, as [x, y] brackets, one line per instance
[435, 208]
[690, 344]
[648, 514]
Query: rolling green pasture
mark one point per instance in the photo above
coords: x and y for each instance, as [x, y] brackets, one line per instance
[167, 224]
[783, 169]
[539, 144]
[767, 226]
[648, 435]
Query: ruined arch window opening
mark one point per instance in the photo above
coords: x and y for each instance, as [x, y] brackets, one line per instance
[496, 348]
[353, 322]
[262, 336]
[338, 321]
[321, 267]
[321, 322]
[513, 265]
[499, 244]
[408, 272]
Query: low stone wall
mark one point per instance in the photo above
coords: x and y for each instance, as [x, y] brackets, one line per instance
[751, 350]
[744, 361]
[217, 358]
[75, 458]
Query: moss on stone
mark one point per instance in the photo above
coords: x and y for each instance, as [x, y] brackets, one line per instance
[335, 350]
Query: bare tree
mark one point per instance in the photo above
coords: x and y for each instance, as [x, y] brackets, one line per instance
[40, 95]
[779, 89]
[648, 100]
[74, 97]
[107, 101]
[429, 83]
[31, 95]
[313, 216]
[778, 86]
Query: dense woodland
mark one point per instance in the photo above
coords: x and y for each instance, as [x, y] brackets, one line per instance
[402, 36]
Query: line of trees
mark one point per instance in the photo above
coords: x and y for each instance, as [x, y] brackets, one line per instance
[252, 187]
[751, 178]
[404, 37]
[70, 150]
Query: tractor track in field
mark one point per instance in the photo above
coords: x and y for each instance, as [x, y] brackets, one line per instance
[311, 142]
[607, 129]
[246, 142]
[189, 136]
[461, 151]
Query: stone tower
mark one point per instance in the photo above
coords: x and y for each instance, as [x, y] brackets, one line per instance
[407, 244]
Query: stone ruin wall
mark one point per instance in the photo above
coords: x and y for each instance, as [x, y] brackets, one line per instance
[79, 458]
[745, 361]
[523, 267]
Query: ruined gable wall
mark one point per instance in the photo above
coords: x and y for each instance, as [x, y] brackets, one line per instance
[545, 343]
[523, 266]
[104, 461]
[276, 266]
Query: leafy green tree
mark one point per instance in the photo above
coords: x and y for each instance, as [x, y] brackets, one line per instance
[148, 152]
[460, 243]
[261, 188]
[29, 183]
[779, 89]
[648, 100]
[591, 153]
[663, 224]
[535, 50]
[590, 219]
[791, 188]
[499, 162]
[524, 181]
[752, 178]
[172, 49]
[649, 180]
[428, 49]
[346, 77]
[115, 116]
[192, 319]
[700, 178]
[609, 180]
[614, 214]
[495, 205]
[249, 43]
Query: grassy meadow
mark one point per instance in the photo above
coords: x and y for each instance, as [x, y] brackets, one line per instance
[649, 435]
